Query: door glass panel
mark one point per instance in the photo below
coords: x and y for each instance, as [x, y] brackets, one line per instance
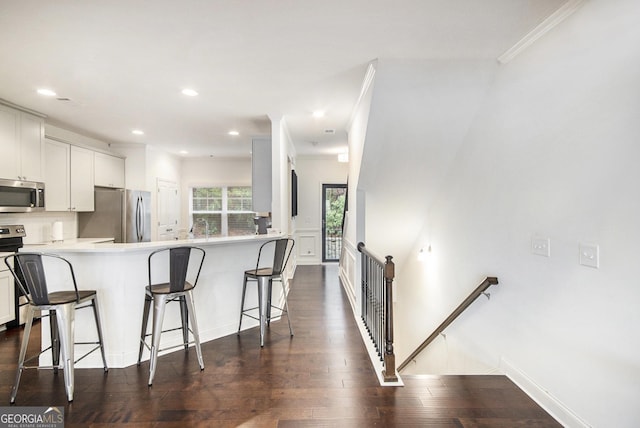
[334, 196]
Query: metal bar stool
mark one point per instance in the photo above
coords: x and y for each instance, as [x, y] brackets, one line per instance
[178, 288]
[265, 276]
[30, 274]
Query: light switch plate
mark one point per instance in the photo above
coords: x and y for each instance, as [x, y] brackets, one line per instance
[541, 246]
[589, 255]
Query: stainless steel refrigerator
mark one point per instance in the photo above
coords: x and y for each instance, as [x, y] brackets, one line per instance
[122, 214]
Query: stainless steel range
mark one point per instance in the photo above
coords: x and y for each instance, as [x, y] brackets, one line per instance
[10, 242]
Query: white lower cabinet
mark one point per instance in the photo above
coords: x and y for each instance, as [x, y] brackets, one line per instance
[69, 177]
[7, 297]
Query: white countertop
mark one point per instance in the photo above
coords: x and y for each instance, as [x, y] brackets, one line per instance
[106, 245]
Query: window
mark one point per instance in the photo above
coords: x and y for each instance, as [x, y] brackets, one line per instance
[221, 211]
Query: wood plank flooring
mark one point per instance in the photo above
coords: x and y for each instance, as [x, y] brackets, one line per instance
[321, 377]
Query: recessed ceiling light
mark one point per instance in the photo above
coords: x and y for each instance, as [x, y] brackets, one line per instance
[318, 114]
[189, 92]
[234, 133]
[137, 132]
[47, 92]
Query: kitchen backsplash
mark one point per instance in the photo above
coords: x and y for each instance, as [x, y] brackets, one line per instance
[38, 226]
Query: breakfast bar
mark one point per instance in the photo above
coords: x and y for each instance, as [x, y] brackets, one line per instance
[118, 272]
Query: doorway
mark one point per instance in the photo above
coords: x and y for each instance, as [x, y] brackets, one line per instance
[333, 200]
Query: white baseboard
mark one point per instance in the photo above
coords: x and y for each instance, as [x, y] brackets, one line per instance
[548, 402]
[378, 366]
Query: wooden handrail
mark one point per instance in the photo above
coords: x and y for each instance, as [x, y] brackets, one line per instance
[488, 282]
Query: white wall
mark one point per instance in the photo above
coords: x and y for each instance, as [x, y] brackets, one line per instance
[355, 215]
[553, 151]
[419, 117]
[312, 173]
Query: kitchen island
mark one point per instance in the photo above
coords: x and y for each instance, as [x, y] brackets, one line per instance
[118, 272]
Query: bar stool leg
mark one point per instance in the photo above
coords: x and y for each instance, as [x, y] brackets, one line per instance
[55, 340]
[286, 306]
[23, 352]
[194, 326]
[184, 316]
[65, 315]
[244, 292]
[270, 295]
[145, 319]
[96, 315]
[159, 303]
[263, 302]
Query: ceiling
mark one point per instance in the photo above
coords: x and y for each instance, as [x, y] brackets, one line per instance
[117, 66]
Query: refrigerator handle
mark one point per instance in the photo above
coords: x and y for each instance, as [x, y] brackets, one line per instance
[143, 226]
[138, 225]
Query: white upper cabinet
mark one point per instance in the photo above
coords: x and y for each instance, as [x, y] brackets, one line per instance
[31, 147]
[10, 159]
[82, 179]
[69, 175]
[22, 145]
[109, 171]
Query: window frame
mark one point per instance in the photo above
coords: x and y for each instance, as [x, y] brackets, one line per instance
[224, 212]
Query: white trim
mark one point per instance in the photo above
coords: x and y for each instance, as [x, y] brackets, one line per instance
[540, 395]
[22, 109]
[541, 29]
[378, 367]
[367, 82]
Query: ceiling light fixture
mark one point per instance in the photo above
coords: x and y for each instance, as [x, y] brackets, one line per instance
[189, 92]
[137, 132]
[318, 114]
[47, 92]
[184, 152]
[234, 133]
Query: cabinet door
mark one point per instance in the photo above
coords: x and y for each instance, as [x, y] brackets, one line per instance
[57, 176]
[109, 171]
[31, 147]
[7, 302]
[82, 178]
[9, 133]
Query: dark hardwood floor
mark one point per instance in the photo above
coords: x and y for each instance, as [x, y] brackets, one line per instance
[320, 377]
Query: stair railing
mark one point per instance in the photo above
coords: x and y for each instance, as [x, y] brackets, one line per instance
[481, 289]
[377, 307]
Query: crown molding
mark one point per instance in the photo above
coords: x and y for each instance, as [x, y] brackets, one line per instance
[541, 29]
[23, 109]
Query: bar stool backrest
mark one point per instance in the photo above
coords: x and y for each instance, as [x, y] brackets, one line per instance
[178, 266]
[281, 254]
[29, 273]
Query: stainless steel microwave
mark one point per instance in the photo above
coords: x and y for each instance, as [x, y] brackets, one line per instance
[21, 196]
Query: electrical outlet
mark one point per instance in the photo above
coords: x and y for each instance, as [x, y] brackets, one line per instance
[589, 255]
[541, 246]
